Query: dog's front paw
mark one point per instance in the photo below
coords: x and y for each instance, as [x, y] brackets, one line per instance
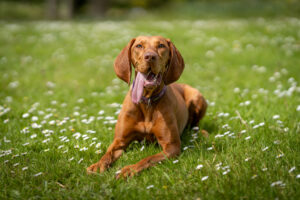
[97, 167]
[127, 171]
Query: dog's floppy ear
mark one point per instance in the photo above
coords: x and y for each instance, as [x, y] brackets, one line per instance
[122, 63]
[176, 65]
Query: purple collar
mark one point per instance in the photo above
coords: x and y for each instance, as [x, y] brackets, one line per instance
[155, 98]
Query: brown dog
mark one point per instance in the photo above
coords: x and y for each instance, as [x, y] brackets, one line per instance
[153, 108]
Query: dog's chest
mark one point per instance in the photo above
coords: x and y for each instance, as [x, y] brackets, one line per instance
[147, 127]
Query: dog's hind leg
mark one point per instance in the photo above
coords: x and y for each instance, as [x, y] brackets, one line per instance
[195, 103]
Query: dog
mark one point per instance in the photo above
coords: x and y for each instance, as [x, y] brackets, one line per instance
[155, 108]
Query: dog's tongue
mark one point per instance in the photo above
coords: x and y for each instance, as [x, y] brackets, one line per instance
[137, 90]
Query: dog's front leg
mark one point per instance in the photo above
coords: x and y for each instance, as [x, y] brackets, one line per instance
[124, 134]
[113, 152]
[169, 139]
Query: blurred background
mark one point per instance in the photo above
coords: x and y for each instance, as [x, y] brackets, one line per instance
[139, 9]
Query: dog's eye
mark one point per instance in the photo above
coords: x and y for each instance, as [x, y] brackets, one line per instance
[161, 46]
[139, 46]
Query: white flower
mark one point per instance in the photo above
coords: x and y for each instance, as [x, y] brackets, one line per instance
[77, 135]
[209, 148]
[71, 159]
[76, 113]
[13, 84]
[35, 125]
[226, 172]
[98, 145]
[142, 148]
[16, 164]
[226, 114]
[83, 149]
[236, 90]
[38, 174]
[219, 135]
[247, 103]
[5, 140]
[91, 131]
[292, 169]
[24, 168]
[204, 178]
[255, 126]
[247, 138]
[81, 159]
[101, 112]
[298, 176]
[50, 84]
[81, 100]
[276, 142]
[98, 151]
[46, 140]
[254, 176]
[280, 155]
[279, 183]
[92, 144]
[276, 116]
[34, 118]
[298, 108]
[266, 148]
[243, 131]
[52, 122]
[33, 136]
[247, 159]
[150, 186]
[175, 161]
[25, 115]
[85, 137]
[199, 167]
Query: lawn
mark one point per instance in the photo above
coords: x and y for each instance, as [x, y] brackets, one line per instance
[59, 100]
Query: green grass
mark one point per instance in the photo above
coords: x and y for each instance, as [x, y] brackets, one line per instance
[231, 61]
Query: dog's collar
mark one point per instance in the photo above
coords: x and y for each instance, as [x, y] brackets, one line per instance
[152, 99]
[155, 98]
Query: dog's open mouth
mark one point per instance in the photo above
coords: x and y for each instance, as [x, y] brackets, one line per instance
[152, 79]
[144, 80]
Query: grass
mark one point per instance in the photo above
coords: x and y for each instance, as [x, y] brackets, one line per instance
[61, 73]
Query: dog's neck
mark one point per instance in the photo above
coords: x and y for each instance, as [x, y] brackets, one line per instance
[148, 93]
[154, 95]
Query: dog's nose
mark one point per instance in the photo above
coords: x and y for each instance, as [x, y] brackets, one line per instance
[150, 56]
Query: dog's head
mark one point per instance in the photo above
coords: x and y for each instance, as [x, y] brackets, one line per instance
[155, 60]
